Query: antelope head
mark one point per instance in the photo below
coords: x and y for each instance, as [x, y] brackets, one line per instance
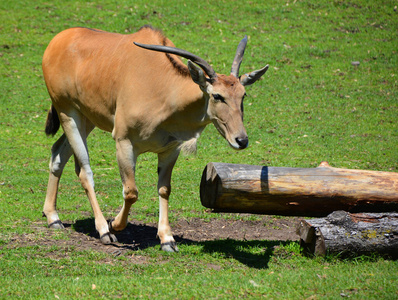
[224, 94]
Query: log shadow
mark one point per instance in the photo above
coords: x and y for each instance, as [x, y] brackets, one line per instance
[241, 251]
[264, 180]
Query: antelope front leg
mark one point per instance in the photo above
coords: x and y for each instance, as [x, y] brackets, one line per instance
[126, 159]
[166, 163]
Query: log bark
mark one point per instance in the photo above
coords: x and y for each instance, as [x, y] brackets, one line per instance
[297, 191]
[352, 234]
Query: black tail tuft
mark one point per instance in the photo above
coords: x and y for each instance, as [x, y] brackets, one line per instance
[52, 123]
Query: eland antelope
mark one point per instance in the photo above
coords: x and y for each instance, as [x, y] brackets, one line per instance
[136, 87]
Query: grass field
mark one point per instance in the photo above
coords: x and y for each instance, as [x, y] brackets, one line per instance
[312, 105]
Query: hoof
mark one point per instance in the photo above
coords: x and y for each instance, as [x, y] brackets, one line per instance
[56, 225]
[111, 229]
[169, 247]
[108, 238]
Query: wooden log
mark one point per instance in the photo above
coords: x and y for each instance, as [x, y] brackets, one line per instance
[296, 191]
[352, 234]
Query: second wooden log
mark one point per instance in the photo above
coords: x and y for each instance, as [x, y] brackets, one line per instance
[353, 234]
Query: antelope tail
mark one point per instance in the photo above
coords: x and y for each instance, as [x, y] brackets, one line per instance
[52, 122]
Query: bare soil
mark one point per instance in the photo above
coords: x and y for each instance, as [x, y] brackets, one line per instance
[139, 235]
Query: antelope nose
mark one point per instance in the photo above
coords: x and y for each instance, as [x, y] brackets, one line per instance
[242, 142]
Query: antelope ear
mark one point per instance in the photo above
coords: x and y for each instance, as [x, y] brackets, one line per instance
[251, 78]
[197, 74]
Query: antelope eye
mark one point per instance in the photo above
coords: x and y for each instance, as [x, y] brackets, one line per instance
[218, 97]
[241, 105]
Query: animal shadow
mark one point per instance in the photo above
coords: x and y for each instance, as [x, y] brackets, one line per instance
[133, 237]
[142, 236]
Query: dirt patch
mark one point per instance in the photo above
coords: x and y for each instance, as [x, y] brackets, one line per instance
[140, 235]
[268, 228]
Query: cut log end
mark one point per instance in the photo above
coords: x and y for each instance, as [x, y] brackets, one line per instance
[209, 185]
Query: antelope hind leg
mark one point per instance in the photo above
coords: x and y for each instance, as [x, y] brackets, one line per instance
[61, 151]
[77, 128]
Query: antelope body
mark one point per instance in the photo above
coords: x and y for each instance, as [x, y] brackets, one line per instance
[150, 101]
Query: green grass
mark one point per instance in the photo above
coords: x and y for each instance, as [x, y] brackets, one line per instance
[247, 269]
[312, 105]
